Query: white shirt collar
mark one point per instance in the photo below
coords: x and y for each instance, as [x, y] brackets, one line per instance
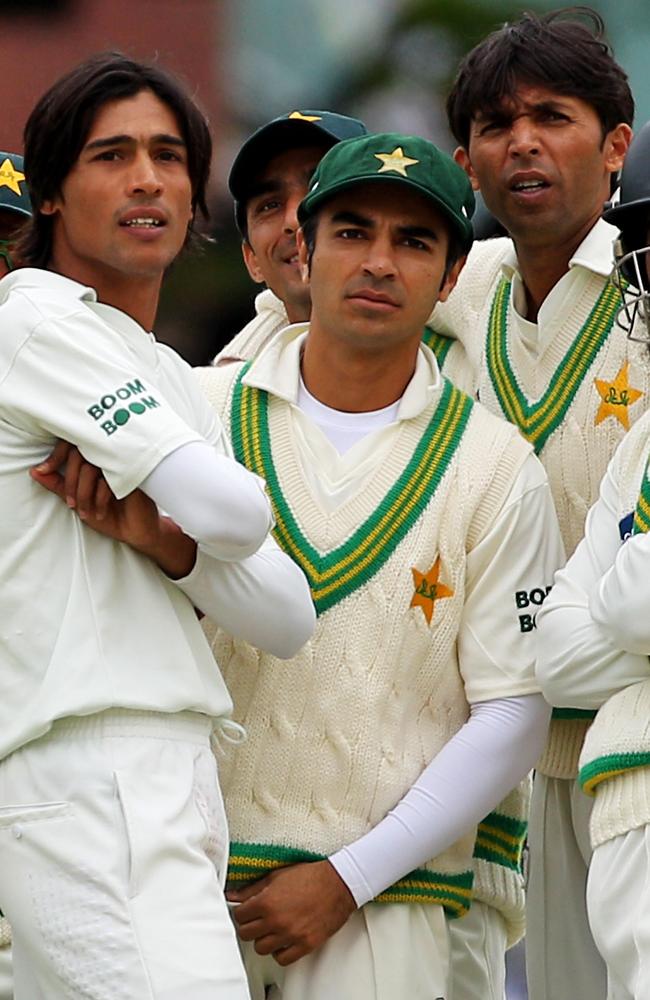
[39, 278]
[277, 370]
[595, 253]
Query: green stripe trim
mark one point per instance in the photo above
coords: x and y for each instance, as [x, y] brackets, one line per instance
[610, 766]
[438, 343]
[641, 523]
[501, 839]
[537, 421]
[249, 862]
[336, 574]
[571, 714]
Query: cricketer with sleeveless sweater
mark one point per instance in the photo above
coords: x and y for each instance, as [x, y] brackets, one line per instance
[417, 518]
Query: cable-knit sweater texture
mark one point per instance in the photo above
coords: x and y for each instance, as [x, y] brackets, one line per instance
[577, 432]
[340, 733]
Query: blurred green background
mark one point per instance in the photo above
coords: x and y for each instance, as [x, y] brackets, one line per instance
[389, 62]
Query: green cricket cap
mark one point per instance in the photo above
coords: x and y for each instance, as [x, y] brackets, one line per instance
[392, 158]
[292, 130]
[14, 195]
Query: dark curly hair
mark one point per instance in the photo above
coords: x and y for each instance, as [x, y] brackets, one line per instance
[564, 51]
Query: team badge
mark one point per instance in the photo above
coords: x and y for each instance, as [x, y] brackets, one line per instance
[428, 590]
[395, 161]
[616, 397]
[298, 116]
[10, 177]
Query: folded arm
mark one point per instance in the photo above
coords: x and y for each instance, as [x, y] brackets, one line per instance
[589, 648]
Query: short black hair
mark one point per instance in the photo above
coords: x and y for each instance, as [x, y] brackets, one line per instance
[58, 127]
[564, 50]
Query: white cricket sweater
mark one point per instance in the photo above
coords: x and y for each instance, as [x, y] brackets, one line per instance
[528, 373]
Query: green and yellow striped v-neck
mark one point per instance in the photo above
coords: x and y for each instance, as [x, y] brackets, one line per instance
[335, 574]
[538, 420]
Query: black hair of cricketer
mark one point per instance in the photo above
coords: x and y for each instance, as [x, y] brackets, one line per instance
[563, 51]
[57, 129]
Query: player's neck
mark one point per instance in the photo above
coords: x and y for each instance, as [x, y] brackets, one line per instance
[353, 380]
[541, 265]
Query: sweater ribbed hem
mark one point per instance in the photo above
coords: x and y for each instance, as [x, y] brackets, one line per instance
[622, 804]
[563, 747]
[503, 889]
[452, 890]
[500, 840]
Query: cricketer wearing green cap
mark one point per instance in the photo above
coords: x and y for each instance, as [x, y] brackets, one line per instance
[15, 205]
[268, 180]
[416, 517]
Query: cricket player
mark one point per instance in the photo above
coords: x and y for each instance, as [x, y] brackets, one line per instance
[15, 206]
[542, 114]
[417, 518]
[113, 840]
[268, 180]
[595, 642]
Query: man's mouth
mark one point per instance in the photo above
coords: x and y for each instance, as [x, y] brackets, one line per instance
[528, 184]
[144, 221]
[373, 297]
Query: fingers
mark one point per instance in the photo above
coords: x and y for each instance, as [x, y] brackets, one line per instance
[247, 892]
[81, 484]
[56, 458]
[71, 476]
[91, 488]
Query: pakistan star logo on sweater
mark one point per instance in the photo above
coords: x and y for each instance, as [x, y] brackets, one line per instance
[616, 396]
[428, 590]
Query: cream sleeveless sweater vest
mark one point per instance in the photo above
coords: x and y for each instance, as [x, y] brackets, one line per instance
[615, 760]
[589, 391]
[340, 733]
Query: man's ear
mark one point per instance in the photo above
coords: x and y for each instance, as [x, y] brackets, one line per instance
[250, 260]
[303, 256]
[450, 279]
[461, 157]
[616, 144]
[49, 206]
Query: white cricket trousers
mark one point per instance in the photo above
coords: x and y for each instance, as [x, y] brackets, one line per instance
[478, 954]
[385, 951]
[6, 978]
[618, 899]
[562, 960]
[113, 850]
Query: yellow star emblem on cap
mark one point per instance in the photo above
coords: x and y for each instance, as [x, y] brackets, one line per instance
[428, 590]
[616, 397]
[305, 118]
[10, 177]
[395, 161]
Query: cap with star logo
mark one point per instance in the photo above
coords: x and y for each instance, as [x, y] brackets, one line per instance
[295, 129]
[13, 186]
[392, 158]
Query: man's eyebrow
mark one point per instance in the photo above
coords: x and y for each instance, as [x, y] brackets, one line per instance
[419, 232]
[506, 114]
[266, 186]
[352, 219]
[123, 140]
